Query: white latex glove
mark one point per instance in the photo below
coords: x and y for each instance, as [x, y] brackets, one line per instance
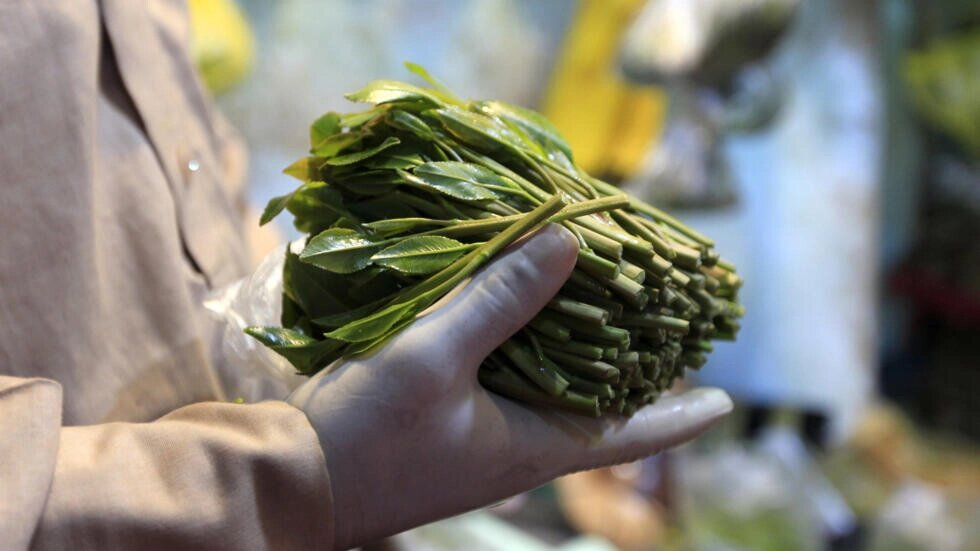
[410, 436]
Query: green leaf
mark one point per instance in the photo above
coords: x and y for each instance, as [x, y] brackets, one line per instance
[274, 207]
[384, 206]
[340, 319]
[366, 177]
[395, 226]
[462, 172]
[407, 122]
[359, 156]
[291, 312]
[392, 161]
[376, 325]
[324, 127]
[333, 145]
[307, 354]
[532, 122]
[316, 206]
[317, 292]
[356, 120]
[299, 170]
[339, 250]
[277, 204]
[379, 283]
[372, 345]
[371, 188]
[421, 254]
[476, 129]
[370, 182]
[453, 187]
[387, 91]
[441, 88]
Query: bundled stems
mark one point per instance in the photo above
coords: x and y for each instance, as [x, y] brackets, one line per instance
[404, 202]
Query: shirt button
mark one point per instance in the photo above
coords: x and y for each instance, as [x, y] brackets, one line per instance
[188, 163]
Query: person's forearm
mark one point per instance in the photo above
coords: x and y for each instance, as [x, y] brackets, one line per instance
[210, 475]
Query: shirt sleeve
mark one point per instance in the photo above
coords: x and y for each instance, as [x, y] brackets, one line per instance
[206, 476]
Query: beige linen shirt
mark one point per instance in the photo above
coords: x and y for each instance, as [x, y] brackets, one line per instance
[115, 220]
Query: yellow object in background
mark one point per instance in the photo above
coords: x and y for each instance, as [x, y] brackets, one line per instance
[945, 84]
[609, 122]
[222, 44]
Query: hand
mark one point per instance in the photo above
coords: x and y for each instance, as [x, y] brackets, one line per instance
[410, 436]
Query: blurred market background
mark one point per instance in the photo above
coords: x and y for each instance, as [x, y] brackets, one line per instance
[831, 147]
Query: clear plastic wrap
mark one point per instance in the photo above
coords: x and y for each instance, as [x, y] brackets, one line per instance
[260, 373]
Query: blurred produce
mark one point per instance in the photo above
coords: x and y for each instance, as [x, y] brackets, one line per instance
[921, 518]
[482, 531]
[744, 497]
[945, 82]
[606, 502]
[608, 121]
[892, 448]
[221, 43]
[704, 42]
[686, 168]
[712, 55]
[914, 490]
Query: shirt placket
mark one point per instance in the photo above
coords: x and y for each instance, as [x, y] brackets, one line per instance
[211, 241]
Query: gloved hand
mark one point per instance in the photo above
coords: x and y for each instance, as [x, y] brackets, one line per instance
[410, 436]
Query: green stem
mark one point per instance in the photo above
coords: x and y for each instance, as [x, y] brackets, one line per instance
[588, 284]
[445, 150]
[655, 321]
[502, 170]
[582, 366]
[629, 222]
[656, 214]
[585, 350]
[579, 310]
[510, 384]
[424, 206]
[542, 374]
[462, 228]
[602, 390]
[687, 257]
[605, 333]
[550, 329]
[657, 265]
[535, 344]
[601, 244]
[629, 242]
[628, 289]
[444, 281]
[592, 191]
[614, 307]
[630, 358]
[679, 277]
[596, 265]
[632, 271]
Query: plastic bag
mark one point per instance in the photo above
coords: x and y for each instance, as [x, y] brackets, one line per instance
[260, 373]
